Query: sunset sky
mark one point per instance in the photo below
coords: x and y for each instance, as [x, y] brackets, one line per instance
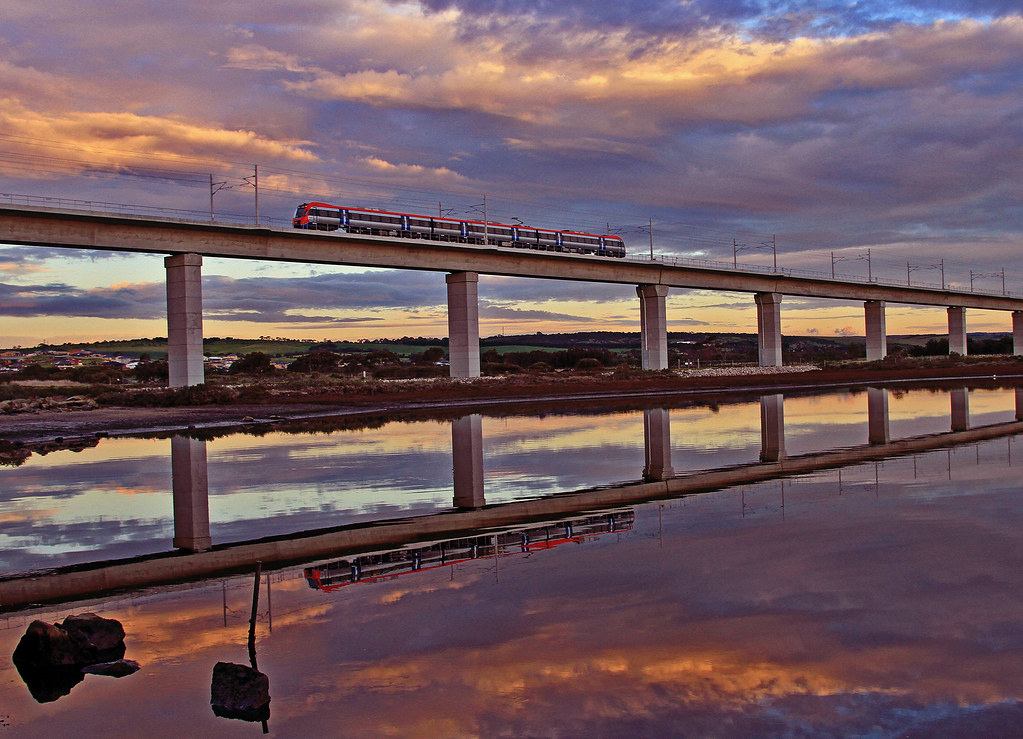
[832, 128]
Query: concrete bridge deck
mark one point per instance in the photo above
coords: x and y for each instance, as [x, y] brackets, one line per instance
[186, 242]
[87, 230]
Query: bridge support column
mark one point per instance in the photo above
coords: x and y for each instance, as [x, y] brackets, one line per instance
[467, 459]
[184, 319]
[190, 484]
[463, 324]
[769, 329]
[960, 409]
[877, 336]
[653, 324]
[772, 427]
[957, 331]
[877, 416]
[657, 445]
[1017, 332]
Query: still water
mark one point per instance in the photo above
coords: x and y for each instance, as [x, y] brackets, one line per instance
[878, 597]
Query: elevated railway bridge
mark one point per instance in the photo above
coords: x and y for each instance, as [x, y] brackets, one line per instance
[186, 242]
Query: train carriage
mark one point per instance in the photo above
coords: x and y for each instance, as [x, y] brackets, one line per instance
[372, 222]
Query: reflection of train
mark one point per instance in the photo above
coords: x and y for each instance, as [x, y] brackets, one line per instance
[324, 217]
[377, 566]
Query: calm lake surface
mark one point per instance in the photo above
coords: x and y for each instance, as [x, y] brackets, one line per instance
[878, 598]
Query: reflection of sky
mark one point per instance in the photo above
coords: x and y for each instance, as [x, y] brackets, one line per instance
[872, 606]
[114, 500]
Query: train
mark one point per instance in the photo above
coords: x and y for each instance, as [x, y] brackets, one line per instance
[384, 565]
[372, 222]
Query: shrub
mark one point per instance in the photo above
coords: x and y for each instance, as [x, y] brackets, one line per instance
[315, 362]
[255, 363]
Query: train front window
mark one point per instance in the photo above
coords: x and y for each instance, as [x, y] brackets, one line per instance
[301, 210]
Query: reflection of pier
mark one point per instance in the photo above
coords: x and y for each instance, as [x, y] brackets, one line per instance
[877, 416]
[192, 520]
[191, 494]
[376, 566]
[467, 461]
[772, 427]
[960, 409]
[657, 445]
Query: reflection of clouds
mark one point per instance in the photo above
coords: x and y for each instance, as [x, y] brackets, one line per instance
[849, 614]
[64, 505]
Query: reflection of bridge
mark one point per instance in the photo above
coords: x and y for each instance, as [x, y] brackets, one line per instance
[470, 513]
[188, 241]
[376, 566]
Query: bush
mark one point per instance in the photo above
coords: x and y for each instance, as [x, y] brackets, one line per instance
[315, 362]
[38, 372]
[431, 356]
[151, 371]
[255, 363]
[589, 364]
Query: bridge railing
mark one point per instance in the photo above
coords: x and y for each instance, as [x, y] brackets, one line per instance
[789, 272]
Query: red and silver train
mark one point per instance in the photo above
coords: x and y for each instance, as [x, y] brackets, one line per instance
[325, 217]
[384, 565]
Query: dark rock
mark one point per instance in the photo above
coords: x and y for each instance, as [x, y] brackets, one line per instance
[118, 668]
[240, 692]
[50, 657]
[98, 639]
[46, 644]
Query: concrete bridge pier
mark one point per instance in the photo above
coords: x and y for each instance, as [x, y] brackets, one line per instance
[463, 324]
[957, 331]
[467, 458]
[772, 428]
[877, 336]
[653, 324]
[877, 416]
[191, 494]
[769, 329]
[657, 445]
[1017, 332]
[184, 319]
[960, 409]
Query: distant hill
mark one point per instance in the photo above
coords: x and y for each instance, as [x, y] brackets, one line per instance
[156, 347]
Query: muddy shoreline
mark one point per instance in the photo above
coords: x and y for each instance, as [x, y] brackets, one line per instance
[49, 430]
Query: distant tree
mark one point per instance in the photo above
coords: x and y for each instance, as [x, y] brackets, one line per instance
[254, 363]
[315, 362]
[37, 372]
[431, 356]
[933, 347]
[151, 371]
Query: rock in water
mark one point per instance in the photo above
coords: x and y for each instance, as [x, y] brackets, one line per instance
[46, 644]
[240, 692]
[50, 657]
[98, 639]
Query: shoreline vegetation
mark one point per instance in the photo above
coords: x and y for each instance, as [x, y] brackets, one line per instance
[58, 414]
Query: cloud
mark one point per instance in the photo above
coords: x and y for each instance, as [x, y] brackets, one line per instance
[491, 311]
[829, 125]
[59, 299]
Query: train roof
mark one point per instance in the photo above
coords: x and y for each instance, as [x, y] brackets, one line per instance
[461, 220]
